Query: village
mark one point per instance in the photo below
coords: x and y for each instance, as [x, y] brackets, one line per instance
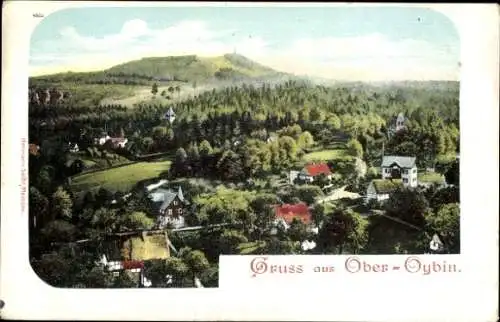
[313, 188]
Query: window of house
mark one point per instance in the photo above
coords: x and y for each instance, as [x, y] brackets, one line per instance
[116, 274]
[415, 170]
[175, 202]
[180, 211]
[170, 211]
[405, 180]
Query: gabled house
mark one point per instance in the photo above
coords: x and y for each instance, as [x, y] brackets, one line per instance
[34, 149]
[170, 206]
[400, 167]
[127, 252]
[286, 213]
[116, 142]
[313, 170]
[397, 124]
[380, 189]
[73, 147]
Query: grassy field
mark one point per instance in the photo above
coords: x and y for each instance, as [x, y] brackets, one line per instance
[324, 155]
[119, 179]
[431, 177]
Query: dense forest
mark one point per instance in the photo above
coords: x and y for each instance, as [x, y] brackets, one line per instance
[242, 137]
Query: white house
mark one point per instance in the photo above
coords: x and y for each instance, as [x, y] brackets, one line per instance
[103, 139]
[380, 189]
[399, 167]
[73, 147]
[313, 170]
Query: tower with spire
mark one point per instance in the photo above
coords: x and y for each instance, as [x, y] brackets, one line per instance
[170, 115]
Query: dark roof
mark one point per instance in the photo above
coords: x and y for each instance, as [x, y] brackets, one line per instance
[402, 162]
[166, 196]
[386, 186]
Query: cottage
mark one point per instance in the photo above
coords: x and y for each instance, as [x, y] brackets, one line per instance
[380, 189]
[34, 149]
[127, 252]
[170, 207]
[73, 147]
[397, 124]
[399, 167]
[311, 171]
[286, 213]
[116, 142]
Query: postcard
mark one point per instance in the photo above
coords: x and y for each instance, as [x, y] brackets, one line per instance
[249, 161]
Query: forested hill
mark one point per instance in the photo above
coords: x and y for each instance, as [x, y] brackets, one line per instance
[189, 69]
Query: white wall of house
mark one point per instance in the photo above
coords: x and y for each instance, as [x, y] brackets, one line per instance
[371, 194]
[122, 143]
[176, 222]
[293, 176]
[408, 176]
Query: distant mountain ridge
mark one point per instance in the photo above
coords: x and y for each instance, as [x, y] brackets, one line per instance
[188, 68]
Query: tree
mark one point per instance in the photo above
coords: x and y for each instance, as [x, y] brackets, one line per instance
[355, 148]
[305, 140]
[407, 205]
[321, 180]
[171, 272]
[154, 89]
[196, 261]
[343, 230]
[38, 205]
[446, 223]
[452, 176]
[319, 213]
[59, 231]
[298, 231]
[105, 220]
[137, 220]
[308, 194]
[61, 204]
[229, 241]
[205, 148]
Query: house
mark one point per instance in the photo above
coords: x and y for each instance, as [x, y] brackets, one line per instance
[103, 139]
[127, 252]
[116, 142]
[34, 149]
[397, 124]
[399, 167]
[293, 175]
[313, 170]
[73, 147]
[381, 189]
[286, 213]
[170, 207]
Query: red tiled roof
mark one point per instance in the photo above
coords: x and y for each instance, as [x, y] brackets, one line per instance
[133, 264]
[289, 212]
[317, 169]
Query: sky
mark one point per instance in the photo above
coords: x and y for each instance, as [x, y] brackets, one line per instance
[343, 43]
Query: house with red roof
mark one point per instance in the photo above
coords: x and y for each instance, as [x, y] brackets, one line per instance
[286, 213]
[313, 170]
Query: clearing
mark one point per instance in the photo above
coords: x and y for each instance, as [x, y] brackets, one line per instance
[324, 155]
[431, 177]
[121, 178]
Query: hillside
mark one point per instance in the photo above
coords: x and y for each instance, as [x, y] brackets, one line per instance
[186, 69]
